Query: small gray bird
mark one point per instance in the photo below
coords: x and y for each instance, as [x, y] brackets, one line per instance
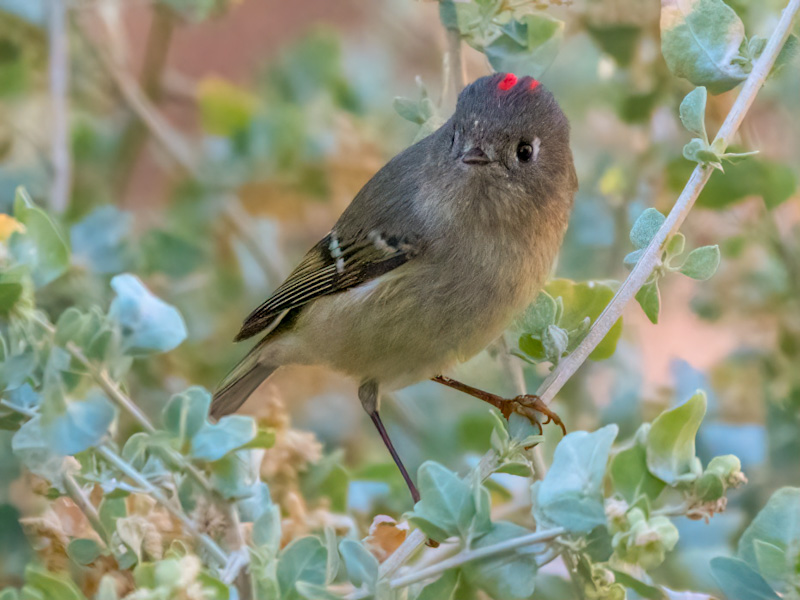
[432, 260]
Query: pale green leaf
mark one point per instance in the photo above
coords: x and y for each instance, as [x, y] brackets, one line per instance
[649, 298]
[571, 493]
[701, 41]
[302, 560]
[671, 441]
[776, 525]
[645, 227]
[506, 577]
[739, 581]
[693, 112]
[361, 565]
[701, 263]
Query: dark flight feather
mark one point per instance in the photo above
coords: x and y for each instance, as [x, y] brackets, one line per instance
[334, 265]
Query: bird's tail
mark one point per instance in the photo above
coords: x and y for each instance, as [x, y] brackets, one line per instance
[242, 381]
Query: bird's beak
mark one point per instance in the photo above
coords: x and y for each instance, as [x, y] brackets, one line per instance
[475, 156]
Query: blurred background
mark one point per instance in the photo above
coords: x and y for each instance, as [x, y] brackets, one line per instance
[205, 145]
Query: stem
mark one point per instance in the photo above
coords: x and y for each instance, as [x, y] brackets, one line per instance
[159, 38]
[59, 99]
[457, 75]
[159, 496]
[652, 255]
[514, 367]
[477, 554]
[80, 499]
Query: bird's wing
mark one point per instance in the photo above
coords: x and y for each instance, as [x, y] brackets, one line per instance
[334, 265]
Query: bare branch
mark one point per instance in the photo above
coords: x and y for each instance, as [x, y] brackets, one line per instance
[59, 101]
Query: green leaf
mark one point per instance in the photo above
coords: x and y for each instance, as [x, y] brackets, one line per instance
[82, 425]
[649, 298]
[12, 288]
[645, 227]
[214, 441]
[540, 314]
[580, 300]
[699, 151]
[739, 581]
[101, 241]
[447, 506]
[312, 591]
[11, 593]
[693, 112]
[361, 565]
[185, 413]
[265, 438]
[772, 181]
[571, 494]
[776, 525]
[701, 263]
[83, 551]
[618, 40]
[629, 474]
[42, 246]
[225, 108]
[675, 245]
[444, 588]
[51, 586]
[555, 341]
[527, 46]
[507, 577]
[701, 41]
[640, 587]
[632, 258]
[267, 529]
[671, 442]
[148, 324]
[236, 475]
[408, 109]
[302, 560]
[32, 447]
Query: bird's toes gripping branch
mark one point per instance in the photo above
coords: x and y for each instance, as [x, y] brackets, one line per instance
[531, 406]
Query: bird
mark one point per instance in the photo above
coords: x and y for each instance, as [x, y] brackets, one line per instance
[432, 260]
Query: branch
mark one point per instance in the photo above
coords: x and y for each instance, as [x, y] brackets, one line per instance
[59, 102]
[157, 46]
[476, 554]
[455, 73]
[651, 258]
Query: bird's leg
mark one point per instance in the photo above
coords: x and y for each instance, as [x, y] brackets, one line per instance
[526, 404]
[368, 394]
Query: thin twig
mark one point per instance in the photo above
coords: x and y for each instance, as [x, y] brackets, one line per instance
[477, 554]
[80, 499]
[158, 495]
[455, 75]
[59, 101]
[514, 367]
[159, 39]
[652, 255]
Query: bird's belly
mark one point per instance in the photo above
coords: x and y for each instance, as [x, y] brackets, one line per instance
[403, 328]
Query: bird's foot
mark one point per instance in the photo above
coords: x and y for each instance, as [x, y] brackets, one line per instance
[531, 406]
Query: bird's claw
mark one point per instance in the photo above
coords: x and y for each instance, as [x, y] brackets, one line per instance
[530, 406]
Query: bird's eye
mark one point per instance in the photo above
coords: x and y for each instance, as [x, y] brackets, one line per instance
[524, 152]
